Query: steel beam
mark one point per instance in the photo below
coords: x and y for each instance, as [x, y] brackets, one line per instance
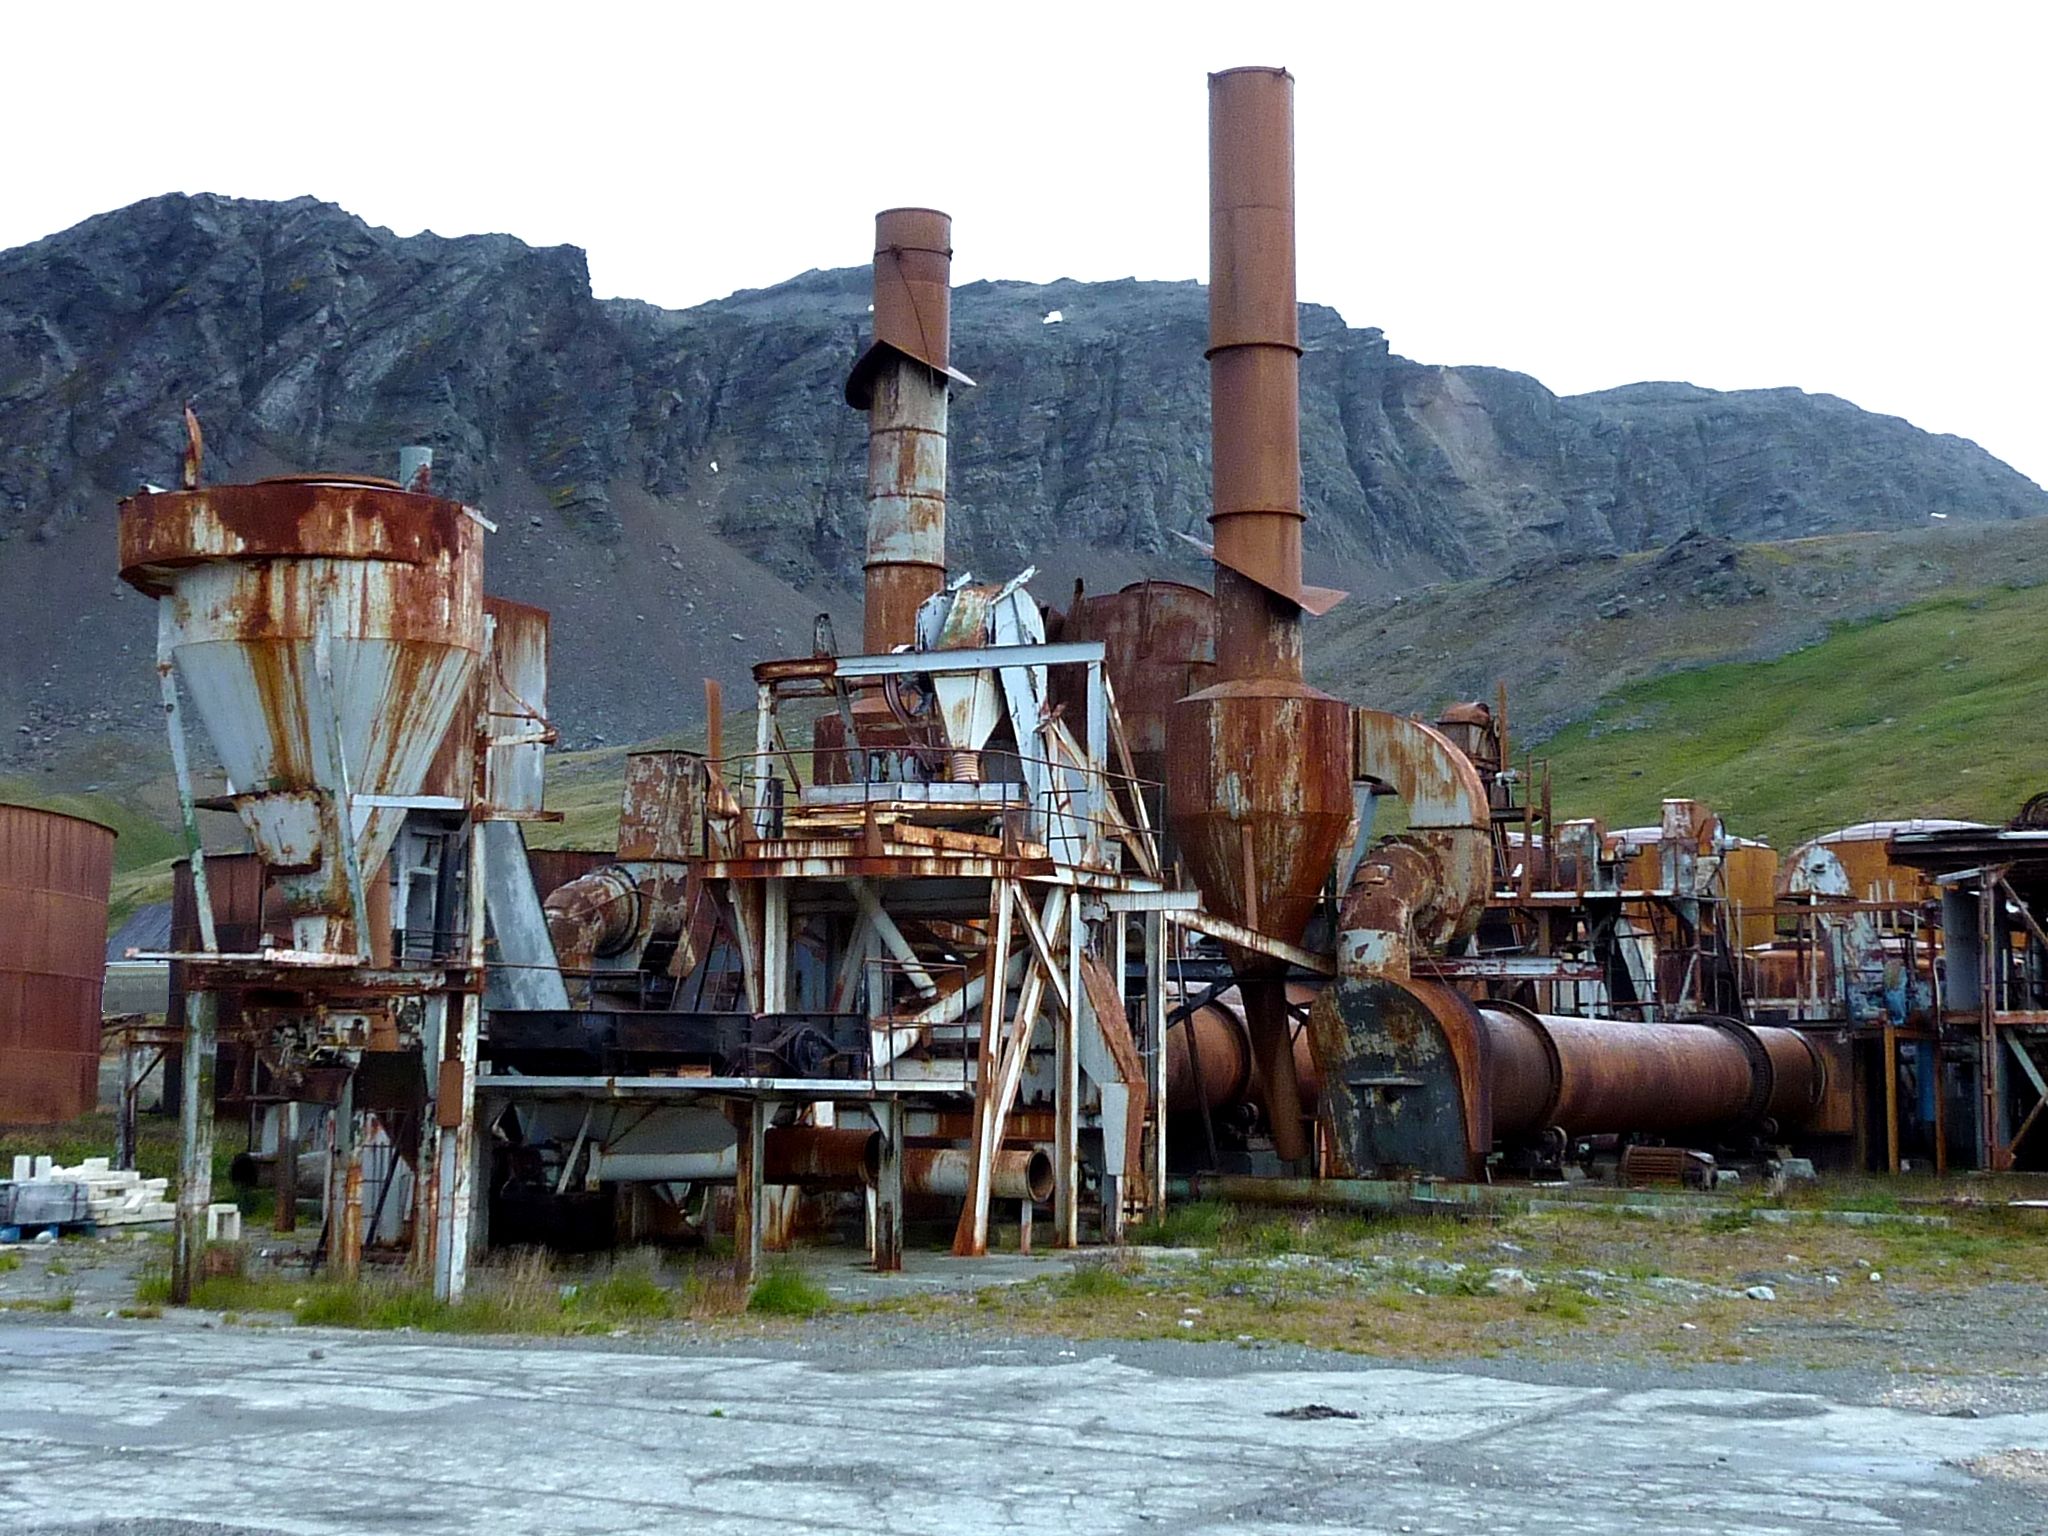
[195, 1147]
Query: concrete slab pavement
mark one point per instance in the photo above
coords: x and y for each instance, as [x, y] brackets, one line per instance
[310, 1431]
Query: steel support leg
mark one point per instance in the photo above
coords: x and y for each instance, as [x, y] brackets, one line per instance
[1066, 1109]
[888, 1247]
[750, 1119]
[195, 1147]
[455, 1156]
[124, 1121]
[285, 1172]
[1155, 1037]
[344, 1241]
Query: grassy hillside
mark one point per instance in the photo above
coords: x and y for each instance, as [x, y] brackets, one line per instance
[1941, 709]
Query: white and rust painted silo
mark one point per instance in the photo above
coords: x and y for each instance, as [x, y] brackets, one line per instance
[325, 630]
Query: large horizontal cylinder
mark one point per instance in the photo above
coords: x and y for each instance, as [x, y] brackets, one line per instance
[810, 1156]
[1022, 1173]
[1596, 1076]
[1208, 1056]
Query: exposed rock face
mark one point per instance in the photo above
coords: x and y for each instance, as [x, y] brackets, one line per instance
[684, 488]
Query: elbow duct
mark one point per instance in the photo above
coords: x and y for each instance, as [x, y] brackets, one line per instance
[1426, 888]
[611, 915]
[594, 916]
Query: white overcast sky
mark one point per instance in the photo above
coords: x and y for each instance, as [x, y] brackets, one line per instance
[1845, 197]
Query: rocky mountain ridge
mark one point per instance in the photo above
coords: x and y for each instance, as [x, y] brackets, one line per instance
[683, 488]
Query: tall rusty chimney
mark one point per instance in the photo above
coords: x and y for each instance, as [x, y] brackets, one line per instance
[900, 381]
[1258, 766]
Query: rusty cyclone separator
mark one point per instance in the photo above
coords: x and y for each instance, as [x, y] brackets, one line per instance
[1258, 783]
[326, 629]
[901, 382]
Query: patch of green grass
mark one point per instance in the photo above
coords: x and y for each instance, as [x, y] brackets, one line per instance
[9, 1262]
[1560, 1302]
[1887, 717]
[520, 1294]
[1094, 1282]
[1197, 1224]
[38, 1304]
[140, 1314]
[626, 1295]
[786, 1293]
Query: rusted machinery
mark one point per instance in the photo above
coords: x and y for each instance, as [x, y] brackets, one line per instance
[372, 713]
[1986, 1031]
[54, 874]
[903, 948]
[1009, 907]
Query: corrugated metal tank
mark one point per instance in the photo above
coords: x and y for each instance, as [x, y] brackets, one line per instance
[54, 875]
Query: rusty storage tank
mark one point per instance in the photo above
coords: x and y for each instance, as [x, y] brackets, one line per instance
[325, 629]
[1749, 869]
[54, 875]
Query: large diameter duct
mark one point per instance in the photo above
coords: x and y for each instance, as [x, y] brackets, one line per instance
[808, 1156]
[901, 382]
[1258, 766]
[325, 631]
[1591, 1077]
[1016, 1173]
[1209, 1056]
[1436, 1082]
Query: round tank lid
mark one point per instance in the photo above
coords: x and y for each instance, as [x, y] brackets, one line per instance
[375, 482]
[43, 810]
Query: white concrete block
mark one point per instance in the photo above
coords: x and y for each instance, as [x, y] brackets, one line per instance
[224, 1223]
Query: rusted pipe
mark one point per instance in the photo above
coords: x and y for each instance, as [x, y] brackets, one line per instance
[1217, 1033]
[901, 382]
[1595, 1076]
[1020, 1173]
[1254, 378]
[822, 1156]
[809, 1156]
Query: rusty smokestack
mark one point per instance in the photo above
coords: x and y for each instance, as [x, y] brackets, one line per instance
[901, 382]
[1254, 378]
[1258, 776]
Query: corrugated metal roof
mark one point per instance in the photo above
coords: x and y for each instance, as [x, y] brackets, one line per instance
[147, 928]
